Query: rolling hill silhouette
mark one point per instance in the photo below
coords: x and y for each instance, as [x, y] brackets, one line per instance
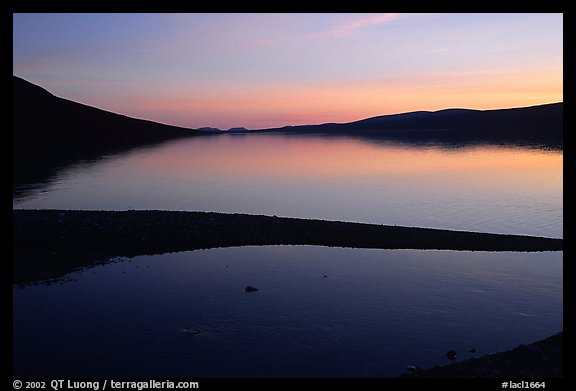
[540, 124]
[48, 131]
[39, 115]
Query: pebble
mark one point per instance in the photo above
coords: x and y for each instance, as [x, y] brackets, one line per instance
[192, 331]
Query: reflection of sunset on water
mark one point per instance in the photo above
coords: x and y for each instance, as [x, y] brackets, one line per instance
[501, 189]
[272, 155]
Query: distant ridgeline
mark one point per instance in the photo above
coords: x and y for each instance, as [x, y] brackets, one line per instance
[525, 125]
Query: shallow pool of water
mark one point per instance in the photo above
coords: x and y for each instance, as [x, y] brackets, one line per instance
[318, 312]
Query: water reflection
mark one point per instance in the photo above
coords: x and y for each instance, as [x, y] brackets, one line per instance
[319, 312]
[505, 189]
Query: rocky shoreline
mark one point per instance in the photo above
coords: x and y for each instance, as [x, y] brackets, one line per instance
[46, 243]
[536, 361]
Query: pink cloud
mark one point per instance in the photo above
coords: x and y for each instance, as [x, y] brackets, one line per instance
[343, 29]
[349, 27]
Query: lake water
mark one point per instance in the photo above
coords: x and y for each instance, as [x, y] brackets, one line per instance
[319, 312]
[501, 189]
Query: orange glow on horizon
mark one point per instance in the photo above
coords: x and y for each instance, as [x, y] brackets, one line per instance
[257, 108]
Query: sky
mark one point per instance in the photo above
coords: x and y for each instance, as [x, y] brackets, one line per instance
[270, 70]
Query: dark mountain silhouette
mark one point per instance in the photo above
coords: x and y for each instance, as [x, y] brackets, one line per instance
[237, 130]
[48, 131]
[209, 129]
[535, 124]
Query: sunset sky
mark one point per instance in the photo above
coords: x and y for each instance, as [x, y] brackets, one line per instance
[269, 70]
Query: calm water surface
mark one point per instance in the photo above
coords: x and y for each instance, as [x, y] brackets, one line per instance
[482, 188]
[319, 312]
